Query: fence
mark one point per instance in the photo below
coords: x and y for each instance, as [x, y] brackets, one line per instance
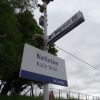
[58, 93]
[62, 94]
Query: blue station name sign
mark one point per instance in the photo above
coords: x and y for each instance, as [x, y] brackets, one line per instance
[69, 25]
[41, 66]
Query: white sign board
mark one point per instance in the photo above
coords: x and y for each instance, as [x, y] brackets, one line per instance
[70, 24]
[41, 66]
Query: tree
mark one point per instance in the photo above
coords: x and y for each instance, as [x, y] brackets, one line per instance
[15, 30]
[22, 5]
[10, 43]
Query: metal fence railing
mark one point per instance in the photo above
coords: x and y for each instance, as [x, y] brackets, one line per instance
[59, 93]
[62, 94]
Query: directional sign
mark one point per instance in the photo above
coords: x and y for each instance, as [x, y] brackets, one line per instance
[41, 66]
[70, 24]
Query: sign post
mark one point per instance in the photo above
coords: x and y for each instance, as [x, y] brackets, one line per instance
[42, 66]
[46, 85]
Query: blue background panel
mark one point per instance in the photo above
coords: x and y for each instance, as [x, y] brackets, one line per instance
[42, 78]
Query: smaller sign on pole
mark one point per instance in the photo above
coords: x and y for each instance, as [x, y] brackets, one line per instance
[41, 66]
[70, 24]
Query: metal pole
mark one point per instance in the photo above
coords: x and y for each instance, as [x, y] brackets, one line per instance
[59, 93]
[69, 95]
[32, 87]
[46, 90]
[78, 96]
[86, 96]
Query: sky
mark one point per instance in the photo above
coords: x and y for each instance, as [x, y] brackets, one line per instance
[83, 42]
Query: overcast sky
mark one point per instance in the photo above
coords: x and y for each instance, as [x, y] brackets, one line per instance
[83, 42]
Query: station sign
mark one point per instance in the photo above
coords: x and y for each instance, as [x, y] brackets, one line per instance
[70, 24]
[42, 66]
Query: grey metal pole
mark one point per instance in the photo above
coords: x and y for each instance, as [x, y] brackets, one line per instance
[78, 96]
[59, 93]
[46, 89]
[32, 88]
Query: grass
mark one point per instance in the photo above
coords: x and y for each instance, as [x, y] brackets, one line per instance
[20, 98]
[24, 98]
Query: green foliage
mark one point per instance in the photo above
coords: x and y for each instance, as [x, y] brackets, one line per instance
[28, 25]
[52, 50]
[7, 19]
[24, 4]
[10, 43]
